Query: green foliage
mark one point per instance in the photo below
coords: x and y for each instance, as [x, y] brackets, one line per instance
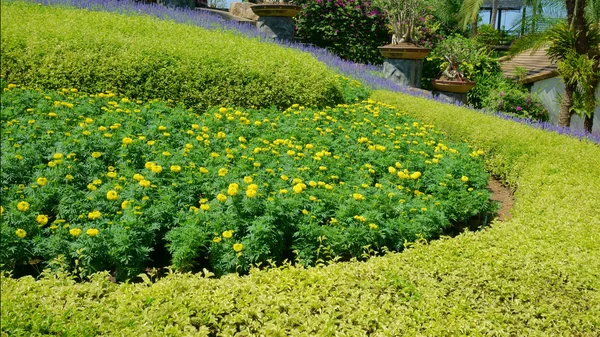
[350, 29]
[51, 47]
[488, 36]
[516, 101]
[107, 181]
[536, 274]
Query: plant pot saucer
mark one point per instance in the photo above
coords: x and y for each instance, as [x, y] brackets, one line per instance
[404, 51]
[455, 86]
[276, 9]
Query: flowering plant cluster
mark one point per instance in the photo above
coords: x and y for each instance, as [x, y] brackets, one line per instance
[516, 101]
[108, 180]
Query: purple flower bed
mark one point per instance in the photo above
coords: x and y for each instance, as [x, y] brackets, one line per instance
[364, 73]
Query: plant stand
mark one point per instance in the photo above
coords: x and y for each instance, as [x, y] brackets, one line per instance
[452, 97]
[275, 19]
[455, 90]
[403, 63]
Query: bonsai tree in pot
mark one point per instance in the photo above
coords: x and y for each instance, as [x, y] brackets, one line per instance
[404, 19]
[458, 59]
[279, 8]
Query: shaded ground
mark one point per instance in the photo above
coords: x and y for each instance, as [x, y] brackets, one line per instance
[503, 195]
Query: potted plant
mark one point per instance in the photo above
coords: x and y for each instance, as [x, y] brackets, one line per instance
[457, 67]
[404, 18]
[277, 8]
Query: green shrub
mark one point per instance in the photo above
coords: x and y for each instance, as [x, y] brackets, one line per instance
[351, 29]
[51, 47]
[516, 101]
[107, 181]
[534, 275]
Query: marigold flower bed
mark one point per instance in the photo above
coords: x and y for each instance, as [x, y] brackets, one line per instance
[105, 181]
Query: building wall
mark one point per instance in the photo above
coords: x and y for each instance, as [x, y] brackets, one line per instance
[550, 91]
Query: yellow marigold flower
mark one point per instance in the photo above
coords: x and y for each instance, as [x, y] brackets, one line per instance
[51, 164]
[238, 247]
[162, 128]
[222, 110]
[392, 170]
[138, 177]
[322, 168]
[378, 185]
[360, 218]
[125, 204]
[248, 179]
[415, 175]
[21, 233]
[41, 219]
[96, 154]
[228, 234]
[42, 181]
[204, 207]
[241, 139]
[12, 86]
[358, 196]
[94, 215]
[284, 177]
[223, 172]
[203, 170]
[58, 155]
[298, 188]
[398, 165]
[97, 182]
[92, 232]
[312, 183]
[464, 178]
[222, 197]
[145, 183]
[233, 189]
[312, 198]
[216, 239]
[112, 195]
[309, 146]
[251, 193]
[283, 191]
[111, 174]
[92, 187]
[373, 226]
[127, 141]
[75, 232]
[156, 169]
[176, 168]
[89, 121]
[2, 210]
[150, 142]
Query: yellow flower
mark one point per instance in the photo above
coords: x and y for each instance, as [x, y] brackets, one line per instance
[216, 239]
[284, 177]
[392, 170]
[464, 178]
[75, 231]
[257, 164]
[222, 110]
[176, 168]
[228, 234]
[91, 187]
[124, 204]
[204, 207]
[373, 226]
[23, 206]
[238, 247]
[21, 233]
[298, 188]
[156, 169]
[144, 183]
[148, 165]
[233, 189]
[94, 215]
[283, 191]
[358, 196]
[1, 210]
[203, 170]
[41, 219]
[150, 142]
[127, 141]
[112, 195]
[223, 172]
[42, 181]
[111, 174]
[251, 193]
[57, 155]
[166, 153]
[96, 154]
[415, 175]
[138, 177]
[222, 197]
[312, 198]
[360, 218]
[92, 232]
[248, 179]
[322, 168]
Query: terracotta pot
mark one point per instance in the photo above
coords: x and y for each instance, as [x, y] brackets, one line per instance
[404, 51]
[460, 87]
[276, 9]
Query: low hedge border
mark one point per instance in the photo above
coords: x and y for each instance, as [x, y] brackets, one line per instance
[537, 274]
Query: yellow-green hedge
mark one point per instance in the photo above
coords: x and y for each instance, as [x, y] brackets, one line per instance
[535, 275]
[142, 57]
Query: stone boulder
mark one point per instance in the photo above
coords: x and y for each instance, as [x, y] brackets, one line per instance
[242, 9]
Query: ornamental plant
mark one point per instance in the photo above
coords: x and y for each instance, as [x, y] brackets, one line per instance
[462, 59]
[351, 29]
[111, 183]
[516, 101]
[404, 17]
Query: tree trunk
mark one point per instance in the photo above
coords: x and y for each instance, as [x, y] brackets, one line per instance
[564, 112]
[576, 20]
[588, 123]
[494, 13]
[474, 28]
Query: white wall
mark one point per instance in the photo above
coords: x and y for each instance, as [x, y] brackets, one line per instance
[549, 91]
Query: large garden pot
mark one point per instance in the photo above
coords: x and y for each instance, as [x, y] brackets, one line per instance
[405, 51]
[460, 87]
[276, 9]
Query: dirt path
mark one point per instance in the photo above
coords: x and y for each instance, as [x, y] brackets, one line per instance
[502, 194]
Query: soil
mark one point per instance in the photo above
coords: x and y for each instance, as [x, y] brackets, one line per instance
[503, 195]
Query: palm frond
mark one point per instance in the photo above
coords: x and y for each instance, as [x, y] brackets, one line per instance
[469, 12]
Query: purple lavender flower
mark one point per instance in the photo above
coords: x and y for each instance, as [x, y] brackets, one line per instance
[518, 108]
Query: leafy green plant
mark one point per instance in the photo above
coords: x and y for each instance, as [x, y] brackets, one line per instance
[350, 29]
[517, 101]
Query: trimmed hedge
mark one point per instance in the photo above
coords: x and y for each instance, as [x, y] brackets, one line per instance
[537, 274]
[55, 47]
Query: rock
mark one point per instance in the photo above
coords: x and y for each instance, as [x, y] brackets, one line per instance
[242, 9]
[403, 71]
[277, 27]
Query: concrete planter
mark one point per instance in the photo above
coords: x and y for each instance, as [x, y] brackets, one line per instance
[403, 63]
[460, 87]
[276, 9]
